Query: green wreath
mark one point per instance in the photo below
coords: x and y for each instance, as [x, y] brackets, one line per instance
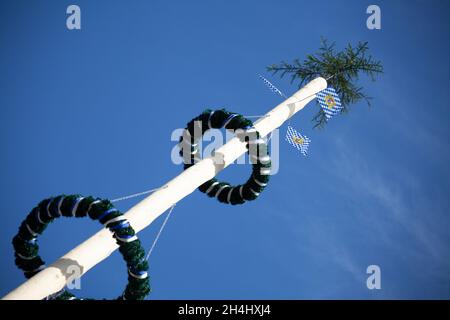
[26, 249]
[256, 147]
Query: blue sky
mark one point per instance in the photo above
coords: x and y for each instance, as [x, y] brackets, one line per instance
[91, 112]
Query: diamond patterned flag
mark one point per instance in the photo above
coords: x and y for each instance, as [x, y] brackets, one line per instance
[300, 142]
[329, 101]
[272, 87]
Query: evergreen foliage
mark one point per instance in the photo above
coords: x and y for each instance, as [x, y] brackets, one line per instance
[341, 69]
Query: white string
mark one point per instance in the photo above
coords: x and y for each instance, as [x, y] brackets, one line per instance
[159, 232]
[134, 195]
[311, 95]
[165, 220]
[259, 116]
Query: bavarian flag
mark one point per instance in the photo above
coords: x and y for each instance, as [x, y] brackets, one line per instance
[329, 101]
[298, 141]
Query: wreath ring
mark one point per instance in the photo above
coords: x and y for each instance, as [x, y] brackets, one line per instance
[256, 147]
[26, 249]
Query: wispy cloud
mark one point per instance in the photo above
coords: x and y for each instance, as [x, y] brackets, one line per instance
[419, 219]
[416, 120]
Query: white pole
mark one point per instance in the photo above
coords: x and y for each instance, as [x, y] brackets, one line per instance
[101, 245]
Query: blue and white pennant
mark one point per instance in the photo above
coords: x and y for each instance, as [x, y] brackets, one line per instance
[329, 101]
[272, 87]
[299, 141]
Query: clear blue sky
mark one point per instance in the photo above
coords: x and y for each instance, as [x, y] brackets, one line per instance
[91, 112]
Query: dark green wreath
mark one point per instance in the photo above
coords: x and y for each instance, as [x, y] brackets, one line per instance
[256, 147]
[26, 249]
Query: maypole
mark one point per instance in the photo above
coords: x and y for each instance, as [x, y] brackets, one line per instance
[341, 69]
[98, 247]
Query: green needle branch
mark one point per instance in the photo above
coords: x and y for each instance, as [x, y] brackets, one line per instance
[341, 68]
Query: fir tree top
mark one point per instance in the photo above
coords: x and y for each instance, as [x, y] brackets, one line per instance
[340, 68]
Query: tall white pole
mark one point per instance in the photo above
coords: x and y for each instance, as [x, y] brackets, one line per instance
[102, 244]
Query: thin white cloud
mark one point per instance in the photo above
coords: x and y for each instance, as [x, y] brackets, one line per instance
[390, 192]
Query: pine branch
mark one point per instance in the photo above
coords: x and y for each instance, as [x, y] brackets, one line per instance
[343, 69]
